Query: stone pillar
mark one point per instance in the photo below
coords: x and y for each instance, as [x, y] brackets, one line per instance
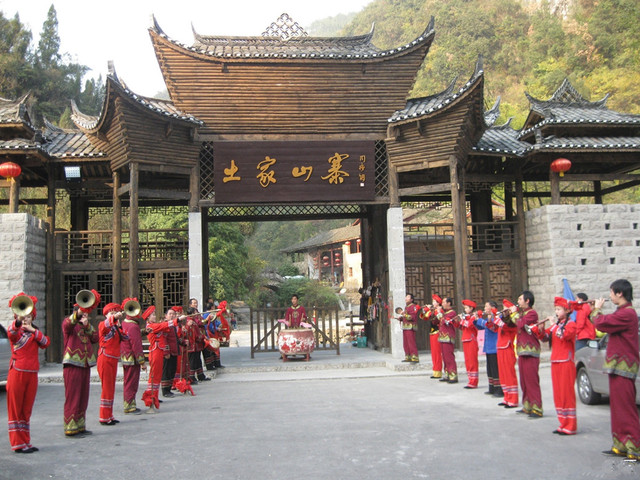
[397, 287]
[195, 257]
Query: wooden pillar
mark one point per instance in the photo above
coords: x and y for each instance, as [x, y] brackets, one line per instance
[597, 192]
[79, 213]
[116, 265]
[394, 193]
[461, 267]
[133, 230]
[521, 230]
[508, 201]
[554, 180]
[52, 300]
[14, 194]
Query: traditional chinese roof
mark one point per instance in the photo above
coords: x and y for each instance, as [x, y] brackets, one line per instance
[337, 235]
[426, 106]
[67, 143]
[15, 119]
[502, 140]
[567, 107]
[134, 128]
[289, 83]
[291, 41]
[430, 130]
[163, 108]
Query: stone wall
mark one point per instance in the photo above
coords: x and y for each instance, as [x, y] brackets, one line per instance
[589, 245]
[23, 249]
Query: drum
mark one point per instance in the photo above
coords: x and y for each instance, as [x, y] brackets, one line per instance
[296, 341]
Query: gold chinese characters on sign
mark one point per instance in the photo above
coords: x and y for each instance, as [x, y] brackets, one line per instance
[268, 172]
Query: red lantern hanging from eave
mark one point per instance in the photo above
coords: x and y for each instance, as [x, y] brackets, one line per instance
[10, 170]
[561, 165]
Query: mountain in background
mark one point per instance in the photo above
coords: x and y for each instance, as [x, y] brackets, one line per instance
[527, 46]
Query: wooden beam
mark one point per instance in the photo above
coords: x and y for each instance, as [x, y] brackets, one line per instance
[425, 189]
[116, 265]
[394, 195]
[522, 244]
[180, 170]
[604, 177]
[133, 230]
[14, 195]
[459, 229]
[168, 194]
[480, 178]
[622, 186]
[124, 189]
[52, 323]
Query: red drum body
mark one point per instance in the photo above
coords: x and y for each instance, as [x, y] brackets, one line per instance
[296, 341]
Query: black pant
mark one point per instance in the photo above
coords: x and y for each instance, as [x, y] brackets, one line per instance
[169, 367]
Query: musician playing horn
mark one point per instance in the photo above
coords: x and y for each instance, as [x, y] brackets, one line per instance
[621, 363]
[428, 313]
[470, 341]
[77, 360]
[528, 349]
[562, 334]
[108, 356]
[22, 380]
[132, 359]
[447, 340]
[409, 323]
[507, 331]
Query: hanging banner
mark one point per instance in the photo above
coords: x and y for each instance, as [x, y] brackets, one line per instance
[293, 172]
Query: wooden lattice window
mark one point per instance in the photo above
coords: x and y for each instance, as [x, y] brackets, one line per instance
[147, 288]
[72, 284]
[175, 286]
[207, 190]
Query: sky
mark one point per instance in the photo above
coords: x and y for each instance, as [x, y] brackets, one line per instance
[93, 33]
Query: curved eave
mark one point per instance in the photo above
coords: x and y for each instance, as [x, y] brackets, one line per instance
[450, 101]
[115, 89]
[25, 149]
[161, 40]
[529, 132]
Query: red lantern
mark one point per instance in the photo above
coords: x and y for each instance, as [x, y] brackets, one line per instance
[10, 170]
[561, 165]
[347, 243]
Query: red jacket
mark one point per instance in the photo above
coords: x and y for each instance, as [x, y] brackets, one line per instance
[110, 336]
[469, 330]
[506, 333]
[586, 330]
[159, 336]
[24, 348]
[563, 341]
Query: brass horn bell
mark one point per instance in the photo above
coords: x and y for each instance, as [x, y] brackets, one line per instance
[22, 306]
[85, 298]
[132, 308]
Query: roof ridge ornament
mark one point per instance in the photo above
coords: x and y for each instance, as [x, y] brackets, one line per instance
[285, 28]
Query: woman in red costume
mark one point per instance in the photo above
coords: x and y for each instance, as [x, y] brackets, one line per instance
[22, 381]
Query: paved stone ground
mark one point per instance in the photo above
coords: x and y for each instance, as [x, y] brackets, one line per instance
[353, 420]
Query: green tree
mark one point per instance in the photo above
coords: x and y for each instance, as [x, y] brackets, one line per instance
[15, 67]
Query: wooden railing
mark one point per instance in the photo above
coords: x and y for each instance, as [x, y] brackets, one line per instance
[481, 236]
[265, 328]
[97, 245]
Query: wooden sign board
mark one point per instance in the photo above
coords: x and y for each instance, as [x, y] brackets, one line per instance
[294, 172]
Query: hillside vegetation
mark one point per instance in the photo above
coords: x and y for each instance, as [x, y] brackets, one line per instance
[526, 46]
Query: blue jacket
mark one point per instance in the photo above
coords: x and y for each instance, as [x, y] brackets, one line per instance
[490, 337]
